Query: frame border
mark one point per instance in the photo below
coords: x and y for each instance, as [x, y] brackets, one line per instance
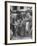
[6, 22]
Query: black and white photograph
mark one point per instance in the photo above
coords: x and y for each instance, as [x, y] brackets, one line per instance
[20, 22]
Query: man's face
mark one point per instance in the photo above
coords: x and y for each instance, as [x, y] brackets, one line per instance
[28, 15]
[18, 21]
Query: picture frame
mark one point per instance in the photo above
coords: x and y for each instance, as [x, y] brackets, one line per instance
[26, 10]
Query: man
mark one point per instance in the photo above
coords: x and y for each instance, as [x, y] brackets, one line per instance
[28, 20]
